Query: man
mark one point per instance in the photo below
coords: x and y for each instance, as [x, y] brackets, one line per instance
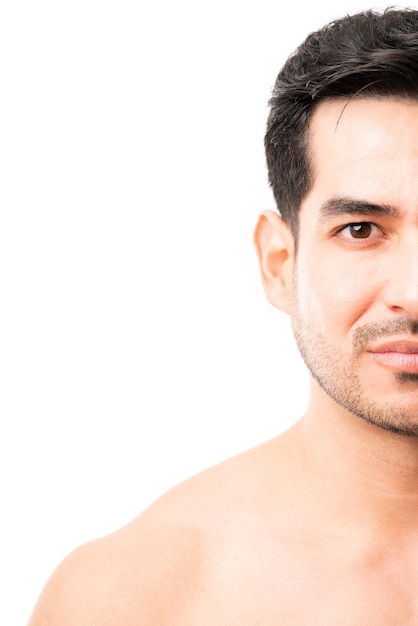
[319, 526]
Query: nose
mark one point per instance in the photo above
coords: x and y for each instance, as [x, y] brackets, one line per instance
[401, 289]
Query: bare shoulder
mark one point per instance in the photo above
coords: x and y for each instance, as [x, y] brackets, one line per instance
[130, 577]
[155, 570]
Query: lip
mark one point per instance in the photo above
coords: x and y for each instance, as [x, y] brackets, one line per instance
[401, 355]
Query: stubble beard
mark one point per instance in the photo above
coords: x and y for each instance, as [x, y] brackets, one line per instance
[338, 374]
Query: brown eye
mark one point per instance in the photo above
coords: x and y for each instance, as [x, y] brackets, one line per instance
[361, 230]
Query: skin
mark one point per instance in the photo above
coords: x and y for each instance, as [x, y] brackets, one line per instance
[318, 526]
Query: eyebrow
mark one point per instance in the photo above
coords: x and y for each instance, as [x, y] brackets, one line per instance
[347, 206]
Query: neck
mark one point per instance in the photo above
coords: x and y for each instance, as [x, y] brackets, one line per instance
[364, 477]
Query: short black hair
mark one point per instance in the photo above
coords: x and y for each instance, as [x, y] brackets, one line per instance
[368, 54]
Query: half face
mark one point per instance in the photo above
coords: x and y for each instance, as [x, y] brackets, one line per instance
[354, 304]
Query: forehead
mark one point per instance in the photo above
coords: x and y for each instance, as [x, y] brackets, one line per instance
[366, 149]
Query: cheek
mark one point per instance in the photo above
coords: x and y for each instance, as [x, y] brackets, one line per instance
[330, 299]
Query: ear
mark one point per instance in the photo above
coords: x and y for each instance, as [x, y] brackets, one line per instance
[275, 248]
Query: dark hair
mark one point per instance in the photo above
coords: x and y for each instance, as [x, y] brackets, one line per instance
[369, 54]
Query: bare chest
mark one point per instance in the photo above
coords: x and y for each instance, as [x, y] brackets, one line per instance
[309, 587]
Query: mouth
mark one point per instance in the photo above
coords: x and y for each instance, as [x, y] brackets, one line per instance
[400, 355]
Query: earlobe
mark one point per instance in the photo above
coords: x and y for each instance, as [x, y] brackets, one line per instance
[274, 245]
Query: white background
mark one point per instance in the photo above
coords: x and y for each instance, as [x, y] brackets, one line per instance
[136, 345]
